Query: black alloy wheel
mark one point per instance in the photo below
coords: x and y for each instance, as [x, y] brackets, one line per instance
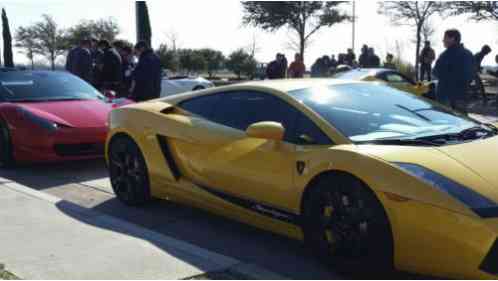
[346, 225]
[128, 172]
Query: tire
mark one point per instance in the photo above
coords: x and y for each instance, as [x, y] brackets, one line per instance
[6, 154]
[345, 224]
[198, 88]
[128, 172]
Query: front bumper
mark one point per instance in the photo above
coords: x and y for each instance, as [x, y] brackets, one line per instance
[66, 144]
[434, 241]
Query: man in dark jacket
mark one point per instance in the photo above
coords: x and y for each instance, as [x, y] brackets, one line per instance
[363, 60]
[147, 75]
[277, 68]
[455, 70]
[373, 59]
[427, 57]
[96, 56]
[478, 58]
[110, 67]
[350, 57]
[79, 61]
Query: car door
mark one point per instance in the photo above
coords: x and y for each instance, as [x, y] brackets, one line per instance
[255, 170]
[255, 173]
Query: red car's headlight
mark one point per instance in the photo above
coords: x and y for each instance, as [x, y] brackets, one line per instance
[41, 122]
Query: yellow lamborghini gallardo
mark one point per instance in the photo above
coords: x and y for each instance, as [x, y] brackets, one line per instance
[370, 177]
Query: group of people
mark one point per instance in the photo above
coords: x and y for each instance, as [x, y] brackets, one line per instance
[115, 67]
[326, 66]
[279, 68]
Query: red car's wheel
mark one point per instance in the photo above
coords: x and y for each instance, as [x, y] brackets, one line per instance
[6, 155]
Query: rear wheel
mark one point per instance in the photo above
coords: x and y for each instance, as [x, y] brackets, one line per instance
[6, 155]
[128, 172]
[346, 225]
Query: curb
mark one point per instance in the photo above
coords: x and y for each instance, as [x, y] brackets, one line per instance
[248, 270]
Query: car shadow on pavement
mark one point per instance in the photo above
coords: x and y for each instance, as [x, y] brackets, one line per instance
[278, 254]
[163, 218]
[44, 176]
[247, 244]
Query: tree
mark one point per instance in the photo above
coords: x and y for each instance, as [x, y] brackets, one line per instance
[25, 40]
[214, 60]
[8, 58]
[191, 60]
[49, 40]
[413, 13]
[144, 31]
[99, 29]
[240, 62]
[168, 57]
[479, 10]
[305, 18]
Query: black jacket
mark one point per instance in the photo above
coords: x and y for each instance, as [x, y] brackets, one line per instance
[455, 69]
[111, 65]
[275, 70]
[147, 76]
[79, 63]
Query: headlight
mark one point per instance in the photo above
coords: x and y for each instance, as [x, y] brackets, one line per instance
[39, 121]
[478, 203]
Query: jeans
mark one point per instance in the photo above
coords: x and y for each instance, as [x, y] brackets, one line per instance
[425, 68]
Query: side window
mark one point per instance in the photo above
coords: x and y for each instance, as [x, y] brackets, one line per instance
[241, 109]
[308, 133]
[202, 106]
[394, 77]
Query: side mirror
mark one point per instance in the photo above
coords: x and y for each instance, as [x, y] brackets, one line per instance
[266, 130]
[109, 94]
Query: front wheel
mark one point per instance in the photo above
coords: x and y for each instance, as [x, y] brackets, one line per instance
[128, 172]
[6, 155]
[346, 225]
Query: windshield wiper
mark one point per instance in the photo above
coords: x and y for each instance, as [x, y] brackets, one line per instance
[407, 142]
[464, 135]
[473, 132]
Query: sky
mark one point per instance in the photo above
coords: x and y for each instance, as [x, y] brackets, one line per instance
[218, 24]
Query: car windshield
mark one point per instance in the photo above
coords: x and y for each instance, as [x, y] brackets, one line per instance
[366, 112]
[25, 86]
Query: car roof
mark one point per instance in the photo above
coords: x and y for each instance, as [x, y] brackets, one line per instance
[282, 87]
[288, 85]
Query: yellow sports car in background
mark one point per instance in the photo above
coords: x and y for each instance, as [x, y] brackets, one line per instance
[390, 77]
[370, 177]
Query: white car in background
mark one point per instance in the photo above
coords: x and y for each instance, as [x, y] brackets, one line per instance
[177, 85]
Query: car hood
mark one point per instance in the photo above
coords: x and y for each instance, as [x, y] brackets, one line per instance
[473, 164]
[80, 114]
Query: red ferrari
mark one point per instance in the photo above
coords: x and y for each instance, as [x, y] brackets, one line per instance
[50, 117]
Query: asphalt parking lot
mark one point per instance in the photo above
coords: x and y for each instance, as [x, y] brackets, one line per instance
[86, 184]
